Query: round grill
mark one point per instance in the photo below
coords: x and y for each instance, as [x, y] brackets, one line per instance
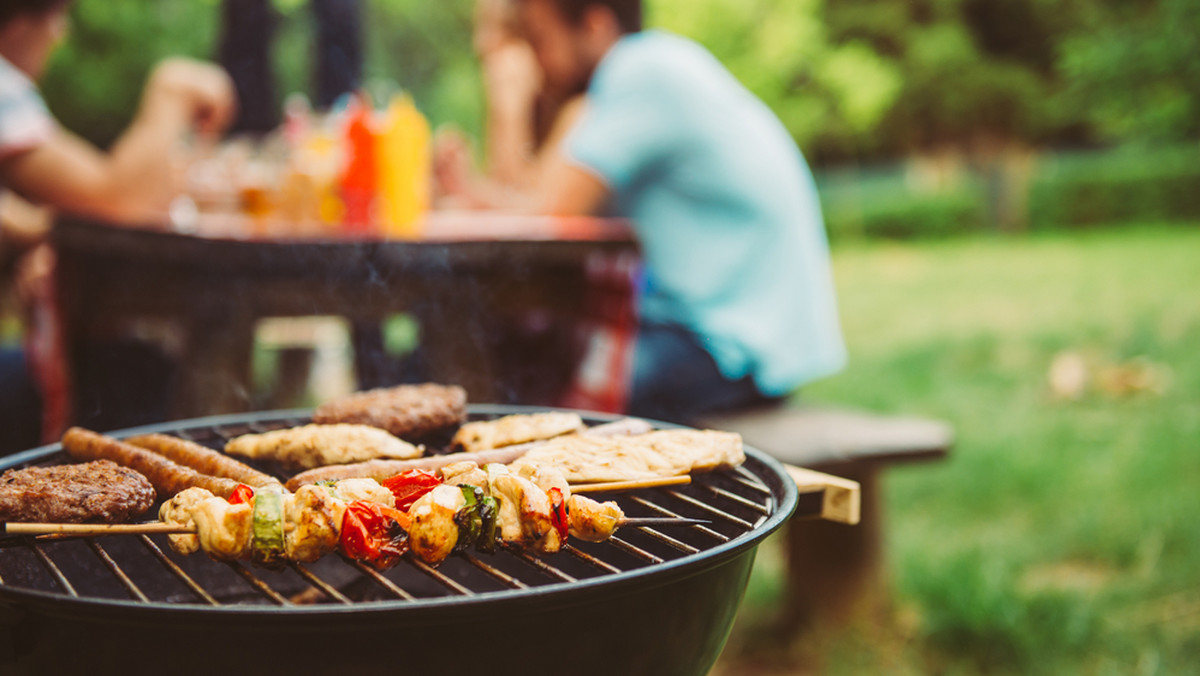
[139, 580]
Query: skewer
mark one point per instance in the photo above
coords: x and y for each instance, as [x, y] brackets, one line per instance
[90, 529]
[151, 528]
[632, 485]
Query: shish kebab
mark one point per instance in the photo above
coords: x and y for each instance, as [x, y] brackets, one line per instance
[523, 506]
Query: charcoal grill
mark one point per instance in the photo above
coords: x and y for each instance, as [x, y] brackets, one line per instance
[649, 601]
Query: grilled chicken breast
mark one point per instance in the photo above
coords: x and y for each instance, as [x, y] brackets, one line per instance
[318, 445]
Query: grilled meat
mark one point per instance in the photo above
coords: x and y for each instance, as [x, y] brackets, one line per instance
[349, 490]
[465, 474]
[312, 522]
[317, 445]
[382, 469]
[433, 532]
[202, 459]
[178, 511]
[225, 530]
[167, 477]
[99, 491]
[656, 454]
[515, 429]
[409, 411]
[593, 521]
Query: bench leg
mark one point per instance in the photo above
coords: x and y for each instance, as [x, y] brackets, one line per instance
[835, 571]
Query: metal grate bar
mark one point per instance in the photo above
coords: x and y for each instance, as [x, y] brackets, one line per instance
[262, 587]
[666, 512]
[540, 564]
[750, 479]
[382, 581]
[178, 572]
[53, 568]
[440, 577]
[749, 504]
[116, 570]
[602, 565]
[328, 589]
[669, 541]
[712, 510]
[495, 572]
[636, 551]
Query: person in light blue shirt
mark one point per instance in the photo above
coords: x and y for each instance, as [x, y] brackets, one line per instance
[739, 304]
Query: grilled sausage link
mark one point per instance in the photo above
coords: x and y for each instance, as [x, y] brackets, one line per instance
[382, 469]
[167, 477]
[202, 459]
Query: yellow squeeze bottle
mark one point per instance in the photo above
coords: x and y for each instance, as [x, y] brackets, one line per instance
[404, 166]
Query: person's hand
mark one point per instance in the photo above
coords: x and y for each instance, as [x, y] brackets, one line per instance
[452, 169]
[203, 91]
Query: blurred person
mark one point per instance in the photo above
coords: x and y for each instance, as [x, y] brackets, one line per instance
[525, 122]
[49, 166]
[739, 304]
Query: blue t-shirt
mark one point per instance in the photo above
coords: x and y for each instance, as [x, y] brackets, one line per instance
[724, 206]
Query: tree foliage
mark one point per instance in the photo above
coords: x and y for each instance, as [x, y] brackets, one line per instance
[851, 79]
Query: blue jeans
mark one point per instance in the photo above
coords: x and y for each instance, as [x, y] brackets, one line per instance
[676, 380]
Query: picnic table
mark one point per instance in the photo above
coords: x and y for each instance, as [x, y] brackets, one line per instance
[463, 280]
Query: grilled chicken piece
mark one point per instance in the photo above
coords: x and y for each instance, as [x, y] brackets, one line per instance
[312, 446]
[524, 515]
[593, 521]
[644, 456]
[349, 490]
[544, 477]
[226, 531]
[515, 429]
[465, 473]
[178, 511]
[312, 521]
[433, 532]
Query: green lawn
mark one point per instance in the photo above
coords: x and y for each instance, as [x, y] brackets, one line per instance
[1062, 535]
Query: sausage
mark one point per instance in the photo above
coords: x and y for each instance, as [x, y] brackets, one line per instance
[167, 477]
[382, 469]
[202, 459]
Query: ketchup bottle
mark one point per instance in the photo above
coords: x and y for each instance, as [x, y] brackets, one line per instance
[360, 180]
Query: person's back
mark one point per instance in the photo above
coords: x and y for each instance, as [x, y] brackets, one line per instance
[724, 206]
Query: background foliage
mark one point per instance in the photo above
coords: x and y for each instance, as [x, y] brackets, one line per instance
[861, 80]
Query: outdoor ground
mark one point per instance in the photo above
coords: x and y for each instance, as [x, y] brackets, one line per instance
[1063, 534]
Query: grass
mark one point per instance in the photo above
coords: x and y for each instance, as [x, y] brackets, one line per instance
[1063, 534]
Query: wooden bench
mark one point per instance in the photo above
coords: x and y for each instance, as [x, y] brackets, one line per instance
[835, 572]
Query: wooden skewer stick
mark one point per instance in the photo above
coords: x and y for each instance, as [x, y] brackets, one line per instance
[88, 529]
[632, 485]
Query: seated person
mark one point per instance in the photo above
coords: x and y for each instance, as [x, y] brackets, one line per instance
[525, 122]
[51, 167]
[739, 305]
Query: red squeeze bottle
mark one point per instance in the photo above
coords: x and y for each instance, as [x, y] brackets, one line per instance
[359, 182]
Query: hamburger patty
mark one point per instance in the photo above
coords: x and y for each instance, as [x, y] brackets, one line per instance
[92, 492]
[405, 411]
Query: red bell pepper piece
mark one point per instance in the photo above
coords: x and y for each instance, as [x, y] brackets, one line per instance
[558, 513]
[410, 486]
[242, 493]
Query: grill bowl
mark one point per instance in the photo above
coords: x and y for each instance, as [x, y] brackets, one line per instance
[670, 616]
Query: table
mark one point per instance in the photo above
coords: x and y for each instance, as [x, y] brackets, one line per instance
[466, 277]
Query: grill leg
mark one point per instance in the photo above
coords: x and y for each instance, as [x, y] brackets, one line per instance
[835, 572]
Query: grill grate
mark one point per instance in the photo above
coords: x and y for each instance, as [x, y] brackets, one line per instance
[143, 569]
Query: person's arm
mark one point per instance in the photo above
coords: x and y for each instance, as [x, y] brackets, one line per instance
[133, 181]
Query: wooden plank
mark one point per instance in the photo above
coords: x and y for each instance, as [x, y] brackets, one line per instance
[842, 500]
